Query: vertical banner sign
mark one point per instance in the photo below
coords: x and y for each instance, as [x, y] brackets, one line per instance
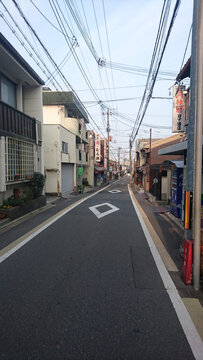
[105, 154]
[178, 109]
[97, 148]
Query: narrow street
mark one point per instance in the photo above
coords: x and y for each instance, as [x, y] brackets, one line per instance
[87, 287]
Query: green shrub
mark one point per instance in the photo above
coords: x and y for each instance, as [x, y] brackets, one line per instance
[38, 184]
[11, 202]
[85, 182]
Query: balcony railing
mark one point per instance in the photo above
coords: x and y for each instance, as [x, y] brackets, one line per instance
[15, 123]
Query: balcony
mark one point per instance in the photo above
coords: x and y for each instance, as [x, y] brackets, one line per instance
[16, 124]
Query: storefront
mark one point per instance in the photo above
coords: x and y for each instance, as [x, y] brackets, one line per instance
[176, 199]
[99, 175]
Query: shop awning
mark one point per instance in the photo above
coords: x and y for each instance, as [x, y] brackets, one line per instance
[178, 163]
[176, 149]
[100, 168]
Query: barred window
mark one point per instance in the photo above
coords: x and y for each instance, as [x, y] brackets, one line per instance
[64, 147]
[19, 159]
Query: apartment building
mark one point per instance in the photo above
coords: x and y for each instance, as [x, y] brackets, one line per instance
[66, 142]
[21, 122]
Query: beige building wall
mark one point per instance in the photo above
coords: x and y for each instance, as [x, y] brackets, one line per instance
[32, 106]
[52, 114]
[54, 135]
[52, 154]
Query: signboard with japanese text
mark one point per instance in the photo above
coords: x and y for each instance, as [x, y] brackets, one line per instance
[178, 108]
[105, 153]
[97, 148]
[80, 170]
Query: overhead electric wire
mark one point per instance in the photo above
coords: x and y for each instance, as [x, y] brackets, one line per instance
[102, 52]
[32, 2]
[56, 10]
[53, 62]
[188, 39]
[81, 28]
[152, 77]
[61, 65]
[137, 70]
[58, 17]
[108, 43]
[162, 22]
[29, 43]
[112, 100]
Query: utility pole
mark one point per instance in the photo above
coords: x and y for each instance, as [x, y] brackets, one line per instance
[150, 155]
[119, 149]
[194, 149]
[108, 131]
[124, 162]
[81, 166]
[130, 151]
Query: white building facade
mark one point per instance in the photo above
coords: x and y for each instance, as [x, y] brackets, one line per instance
[66, 142]
[21, 122]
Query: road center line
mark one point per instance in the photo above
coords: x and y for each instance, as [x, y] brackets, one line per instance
[17, 244]
[188, 327]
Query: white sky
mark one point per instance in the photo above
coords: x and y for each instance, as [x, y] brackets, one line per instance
[132, 28]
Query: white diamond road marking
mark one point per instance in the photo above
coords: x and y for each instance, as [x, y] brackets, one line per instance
[115, 191]
[108, 212]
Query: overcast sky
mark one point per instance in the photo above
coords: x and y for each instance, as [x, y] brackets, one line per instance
[131, 30]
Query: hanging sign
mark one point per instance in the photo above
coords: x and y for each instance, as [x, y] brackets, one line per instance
[97, 148]
[80, 170]
[178, 109]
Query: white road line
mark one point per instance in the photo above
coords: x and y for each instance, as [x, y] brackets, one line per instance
[99, 214]
[114, 191]
[38, 231]
[189, 329]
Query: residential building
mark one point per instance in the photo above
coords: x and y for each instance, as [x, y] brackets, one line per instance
[151, 171]
[66, 142]
[182, 148]
[21, 120]
[100, 170]
[90, 170]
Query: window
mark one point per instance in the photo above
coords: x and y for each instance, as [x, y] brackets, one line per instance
[86, 156]
[64, 147]
[8, 91]
[79, 128]
[80, 155]
[19, 159]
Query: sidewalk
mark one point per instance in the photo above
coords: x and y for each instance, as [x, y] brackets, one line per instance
[168, 235]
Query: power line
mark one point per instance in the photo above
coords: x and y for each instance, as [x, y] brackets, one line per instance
[157, 56]
[52, 61]
[74, 38]
[188, 39]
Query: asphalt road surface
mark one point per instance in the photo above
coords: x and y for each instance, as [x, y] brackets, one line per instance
[87, 287]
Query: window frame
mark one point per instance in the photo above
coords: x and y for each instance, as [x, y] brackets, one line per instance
[19, 160]
[15, 87]
[64, 147]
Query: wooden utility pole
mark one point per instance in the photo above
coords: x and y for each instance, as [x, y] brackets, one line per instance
[119, 149]
[194, 146]
[130, 155]
[108, 131]
[150, 156]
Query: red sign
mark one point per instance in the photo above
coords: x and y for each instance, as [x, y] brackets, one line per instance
[178, 108]
[186, 271]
